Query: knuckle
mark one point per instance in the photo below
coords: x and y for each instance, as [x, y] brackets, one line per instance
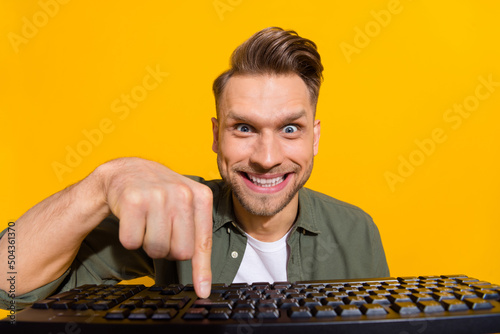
[206, 245]
[129, 243]
[185, 193]
[182, 254]
[157, 194]
[155, 251]
[205, 196]
[132, 197]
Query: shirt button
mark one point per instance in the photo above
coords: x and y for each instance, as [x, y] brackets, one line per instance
[234, 254]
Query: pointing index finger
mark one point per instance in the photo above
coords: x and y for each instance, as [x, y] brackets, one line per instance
[202, 272]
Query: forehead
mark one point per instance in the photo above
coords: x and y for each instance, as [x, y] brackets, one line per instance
[265, 95]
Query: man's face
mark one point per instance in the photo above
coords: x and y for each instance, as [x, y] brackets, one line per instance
[265, 139]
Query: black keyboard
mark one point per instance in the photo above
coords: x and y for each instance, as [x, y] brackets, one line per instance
[424, 304]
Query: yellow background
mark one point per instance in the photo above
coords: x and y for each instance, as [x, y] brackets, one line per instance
[375, 104]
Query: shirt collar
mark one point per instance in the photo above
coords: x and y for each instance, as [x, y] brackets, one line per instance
[224, 212]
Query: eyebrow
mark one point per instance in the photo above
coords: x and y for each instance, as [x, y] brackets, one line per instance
[289, 118]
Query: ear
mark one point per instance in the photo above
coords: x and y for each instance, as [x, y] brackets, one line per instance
[317, 131]
[215, 132]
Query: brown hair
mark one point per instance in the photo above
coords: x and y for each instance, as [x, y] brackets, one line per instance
[275, 51]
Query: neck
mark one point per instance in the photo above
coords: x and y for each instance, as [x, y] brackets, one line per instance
[267, 228]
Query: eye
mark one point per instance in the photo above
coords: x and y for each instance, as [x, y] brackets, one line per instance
[290, 129]
[243, 128]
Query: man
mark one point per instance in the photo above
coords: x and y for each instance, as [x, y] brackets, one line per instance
[132, 217]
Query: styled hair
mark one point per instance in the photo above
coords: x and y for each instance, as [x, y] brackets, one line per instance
[275, 51]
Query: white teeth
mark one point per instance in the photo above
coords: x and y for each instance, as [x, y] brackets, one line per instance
[266, 182]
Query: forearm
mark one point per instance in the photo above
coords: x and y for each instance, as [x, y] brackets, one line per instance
[48, 236]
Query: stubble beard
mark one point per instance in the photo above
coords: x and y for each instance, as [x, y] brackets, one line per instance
[263, 204]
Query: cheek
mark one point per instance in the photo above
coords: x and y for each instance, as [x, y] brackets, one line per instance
[299, 153]
[235, 150]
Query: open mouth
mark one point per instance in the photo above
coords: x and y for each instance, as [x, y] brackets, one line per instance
[265, 182]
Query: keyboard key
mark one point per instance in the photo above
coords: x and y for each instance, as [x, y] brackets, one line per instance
[332, 301]
[454, 277]
[68, 295]
[323, 311]
[276, 296]
[309, 302]
[219, 313]
[140, 314]
[247, 303]
[267, 313]
[297, 296]
[380, 293]
[478, 304]
[354, 300]
[418, 297]
[405, 308]
[430, 306]
[195, 313]
[440, 296]
[170, 291]
[82, 305]
[467, 280]
[478, 284]
[103, 305]
[117, 314]
[299, 312]
[164, 314]
[209, 304]
[377, 300]
[234, 297]
[43, 304]
[287, 303]
[116, 298]
[219, 288]
[359, 293]
[454, 305]
[281, 285]
[399, 298]
[348, 310]
[487, 294]
[442, 289]
[408, 279]
[253, 295]
[317, 295]
[463, 295]
[338, 294]
[239, 285]
[462, 287]
[243, 313]
[267, 303]
[373, 309]
[261, 286]
[421, 290]
[487, 287]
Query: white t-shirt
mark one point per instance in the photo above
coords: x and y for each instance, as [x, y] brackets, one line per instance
[263, 261]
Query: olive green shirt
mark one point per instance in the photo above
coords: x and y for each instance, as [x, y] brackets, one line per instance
[329, 240]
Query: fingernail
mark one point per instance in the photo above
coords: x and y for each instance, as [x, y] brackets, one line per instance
[205, 287]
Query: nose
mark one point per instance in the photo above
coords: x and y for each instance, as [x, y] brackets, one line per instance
[267, 152]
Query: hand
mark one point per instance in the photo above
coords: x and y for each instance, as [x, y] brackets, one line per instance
[167, 214]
